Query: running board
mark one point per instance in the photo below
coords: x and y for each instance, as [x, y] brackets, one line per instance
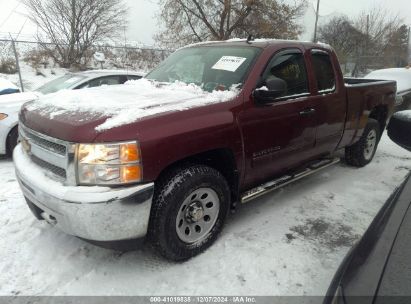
[288, 179]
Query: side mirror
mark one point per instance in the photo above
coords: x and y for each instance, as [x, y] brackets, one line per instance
[273, 88]
[399, 129]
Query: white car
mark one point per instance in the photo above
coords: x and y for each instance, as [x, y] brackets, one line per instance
[403, 78]
[10, 104]
[7, 87]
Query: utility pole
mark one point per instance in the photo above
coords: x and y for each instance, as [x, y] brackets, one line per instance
[17, 62]
[408, 45]
[365, 51]
[316, 21]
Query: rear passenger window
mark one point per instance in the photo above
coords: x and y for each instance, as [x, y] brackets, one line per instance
[324, 72]
[104, 81]
[133, 77]
[290, 67]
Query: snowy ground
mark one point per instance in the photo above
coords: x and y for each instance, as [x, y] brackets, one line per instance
[287, 243]
[31, 80]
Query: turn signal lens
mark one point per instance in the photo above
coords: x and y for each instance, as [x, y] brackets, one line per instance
[131, 174]
[129, 153]
[3, 116]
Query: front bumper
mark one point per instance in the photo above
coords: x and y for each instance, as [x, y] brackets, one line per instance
[93, 213]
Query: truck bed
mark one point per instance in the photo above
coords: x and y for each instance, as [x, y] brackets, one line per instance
[349, 82]
[363, 94]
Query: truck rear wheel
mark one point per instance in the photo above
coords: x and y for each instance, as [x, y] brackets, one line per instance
[361, 153]
[189, 209]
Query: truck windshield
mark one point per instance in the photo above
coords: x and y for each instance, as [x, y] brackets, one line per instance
[61, 83]
[209, 67]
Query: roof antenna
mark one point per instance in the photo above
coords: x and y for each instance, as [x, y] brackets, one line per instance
[250, 38]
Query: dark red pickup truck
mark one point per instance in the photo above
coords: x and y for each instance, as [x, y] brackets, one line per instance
[214, 125]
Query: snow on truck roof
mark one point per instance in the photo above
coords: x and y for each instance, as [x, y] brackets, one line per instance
[128, 103]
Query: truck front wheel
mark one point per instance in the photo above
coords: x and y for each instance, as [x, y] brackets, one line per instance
[361, 153]
[189, 209]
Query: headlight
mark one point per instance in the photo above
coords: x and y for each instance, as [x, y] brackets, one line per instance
[109, 164]
[3, 116]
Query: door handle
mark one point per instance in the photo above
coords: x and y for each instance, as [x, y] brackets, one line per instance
[307, 112]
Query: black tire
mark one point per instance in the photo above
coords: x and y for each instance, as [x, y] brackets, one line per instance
[398, 130]
[172, 191]
[12, 139]
[355, 155]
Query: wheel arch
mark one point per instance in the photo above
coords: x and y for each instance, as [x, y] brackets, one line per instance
[380, 114]
[222, 159]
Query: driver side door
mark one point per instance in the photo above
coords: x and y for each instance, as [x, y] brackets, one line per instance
[280, 134]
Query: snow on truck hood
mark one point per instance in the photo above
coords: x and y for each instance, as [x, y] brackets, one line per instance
[124, 104]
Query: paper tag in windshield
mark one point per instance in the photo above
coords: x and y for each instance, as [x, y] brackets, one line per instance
[229, 63]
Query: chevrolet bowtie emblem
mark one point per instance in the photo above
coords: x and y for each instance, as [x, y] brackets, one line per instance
[26, 145]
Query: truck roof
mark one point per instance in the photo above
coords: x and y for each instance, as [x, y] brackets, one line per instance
[261, 43]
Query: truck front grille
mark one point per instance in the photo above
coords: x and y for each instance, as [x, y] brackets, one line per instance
[44, 143]
[53, 155]
[49, 167]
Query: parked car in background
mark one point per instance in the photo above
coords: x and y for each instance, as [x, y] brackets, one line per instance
[214, 125]
[378, 268]
[10, 104]
[403, 78]
[7, 87]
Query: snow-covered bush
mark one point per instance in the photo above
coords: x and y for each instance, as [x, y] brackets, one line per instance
[8, 66]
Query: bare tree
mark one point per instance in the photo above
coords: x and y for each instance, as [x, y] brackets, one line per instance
[378, 25]
[187, 21]
[68, 28]
[340, 33]
[374, 39]
[396, 49]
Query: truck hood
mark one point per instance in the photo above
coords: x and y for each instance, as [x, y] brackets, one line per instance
[81, 115]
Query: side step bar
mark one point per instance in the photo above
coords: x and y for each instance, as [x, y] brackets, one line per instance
[287, 179]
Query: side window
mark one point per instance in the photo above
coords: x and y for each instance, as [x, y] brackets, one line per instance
[122, 79]
[109, 80]
[290, 67]
[324, 72]
[133, 77]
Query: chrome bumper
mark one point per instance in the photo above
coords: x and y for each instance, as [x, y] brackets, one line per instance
[93, 213]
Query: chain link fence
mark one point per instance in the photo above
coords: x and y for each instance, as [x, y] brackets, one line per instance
[29, 65]
[362, 65]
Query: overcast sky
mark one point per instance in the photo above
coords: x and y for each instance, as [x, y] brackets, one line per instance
[143, 24]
